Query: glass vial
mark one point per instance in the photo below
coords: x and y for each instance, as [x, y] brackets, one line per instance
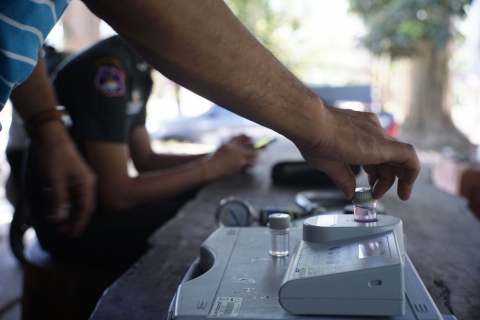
[279, 224]
[364, 205]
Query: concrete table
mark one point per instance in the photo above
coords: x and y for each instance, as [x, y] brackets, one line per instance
[442, 235]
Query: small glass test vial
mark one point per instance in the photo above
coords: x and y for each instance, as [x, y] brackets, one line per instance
[279, 224]
[364, 205]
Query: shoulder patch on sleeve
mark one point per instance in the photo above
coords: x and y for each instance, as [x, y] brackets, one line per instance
[110, 81]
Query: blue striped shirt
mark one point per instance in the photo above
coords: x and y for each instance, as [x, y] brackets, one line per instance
[24, 25]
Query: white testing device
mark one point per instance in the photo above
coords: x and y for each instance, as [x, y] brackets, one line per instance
[344, 267]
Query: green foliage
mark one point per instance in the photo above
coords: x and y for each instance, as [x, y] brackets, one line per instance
[262, 21]
[397, 26]
[314, 39]
[257, 17]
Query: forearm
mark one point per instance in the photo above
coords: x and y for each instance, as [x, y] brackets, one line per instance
[164, 161]
[120, 192]
[71, 181]
[202, 46]
[35, 94]
[155, 185]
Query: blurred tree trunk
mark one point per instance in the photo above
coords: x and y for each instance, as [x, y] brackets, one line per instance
[429, 124]
[80, 26]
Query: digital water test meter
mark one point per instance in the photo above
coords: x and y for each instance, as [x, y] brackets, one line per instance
[332, 275]
[343, 267]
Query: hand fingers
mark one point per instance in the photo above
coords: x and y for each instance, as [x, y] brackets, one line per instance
[398, 160]
[353, 137]
[77, 222]
[406, 165]
[341, 175]
[82, 208]
[381, 177]
[60, 199]
[63, 215]
[247, 157]
[242, 140]
[385, 180]
[248, 153]
[372, 173]
[73, 218]
[406, 178]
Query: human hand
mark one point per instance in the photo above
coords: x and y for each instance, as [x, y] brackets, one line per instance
[231, 158]
[350, 137]
[71, 180]
[242, 140]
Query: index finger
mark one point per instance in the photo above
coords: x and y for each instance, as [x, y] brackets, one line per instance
[404, 159]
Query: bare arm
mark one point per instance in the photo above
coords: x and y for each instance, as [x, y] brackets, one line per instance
[121, 192]
[71, 180]
[145, 159]
[202, 46]
[36, 93]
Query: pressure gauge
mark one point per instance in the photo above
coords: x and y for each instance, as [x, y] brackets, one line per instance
[234, 212]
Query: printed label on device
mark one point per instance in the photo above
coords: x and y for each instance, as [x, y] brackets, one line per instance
[226, 307]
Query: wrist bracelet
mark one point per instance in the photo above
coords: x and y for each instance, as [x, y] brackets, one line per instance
[205, 171]
[33, 122]
[44, 116]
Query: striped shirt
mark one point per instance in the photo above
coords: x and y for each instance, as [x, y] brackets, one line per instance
[24, 25]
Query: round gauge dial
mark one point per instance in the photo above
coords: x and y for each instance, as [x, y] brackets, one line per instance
[234, 212]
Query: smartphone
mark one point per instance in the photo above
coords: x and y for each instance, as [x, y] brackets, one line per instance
[263, 142]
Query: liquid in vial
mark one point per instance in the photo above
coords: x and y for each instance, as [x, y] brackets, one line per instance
[279, 224]
[279, 242]
[364, 205]
[365, 213]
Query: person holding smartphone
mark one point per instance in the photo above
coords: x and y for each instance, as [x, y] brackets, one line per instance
[105, 90]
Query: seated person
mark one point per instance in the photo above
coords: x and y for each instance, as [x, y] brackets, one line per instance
[105, 90]
[17, 136]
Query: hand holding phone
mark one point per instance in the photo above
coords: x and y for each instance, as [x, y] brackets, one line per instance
[263, 142]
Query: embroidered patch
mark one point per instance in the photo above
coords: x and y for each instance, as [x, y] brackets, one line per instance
[110, 81]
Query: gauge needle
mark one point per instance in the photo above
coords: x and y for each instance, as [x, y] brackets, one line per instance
[236, 219]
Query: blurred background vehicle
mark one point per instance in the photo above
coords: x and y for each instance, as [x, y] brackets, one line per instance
[199, 128]
[387, 121]
[216, 123]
